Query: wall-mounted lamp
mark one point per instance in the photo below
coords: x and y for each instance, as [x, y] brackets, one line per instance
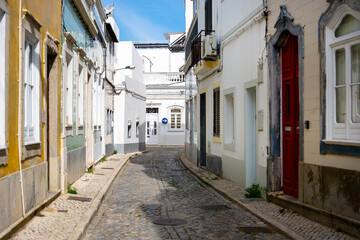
[131, 67]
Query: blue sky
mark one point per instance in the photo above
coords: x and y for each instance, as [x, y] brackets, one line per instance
[148, 20]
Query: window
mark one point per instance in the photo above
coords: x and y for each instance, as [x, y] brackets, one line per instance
[97, 102]
[31, 89]
[109, 121]
[208, 16]
[343, 88]
[187, 115]
[137, 127]
[129, 129]
[68, 90]
[175, 118]
[80, 89]
[2, 79]
[195, 114]
[195, 2]
[216, 112]
[229, 119]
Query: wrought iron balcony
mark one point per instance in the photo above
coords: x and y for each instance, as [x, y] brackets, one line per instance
[196, 45]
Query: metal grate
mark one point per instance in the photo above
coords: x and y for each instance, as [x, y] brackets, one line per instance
[107, 168]
[255, 229]
[169, 221]
[82, 199]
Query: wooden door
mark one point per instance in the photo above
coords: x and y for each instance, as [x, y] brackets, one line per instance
[290, 116]
[202, 160]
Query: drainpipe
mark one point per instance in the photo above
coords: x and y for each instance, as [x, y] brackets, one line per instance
[20, 111]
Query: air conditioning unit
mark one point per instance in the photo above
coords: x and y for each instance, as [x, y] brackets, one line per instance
[209, 47]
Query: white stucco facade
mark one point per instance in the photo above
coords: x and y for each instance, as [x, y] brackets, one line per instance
[238, 151]
[165, 90]
[129, 100]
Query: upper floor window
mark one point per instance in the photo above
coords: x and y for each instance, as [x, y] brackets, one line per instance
[208, 16]
[80, 91]
[342, 70]
[31, 89]
[69, 90]
[195, 6]
[2, 79]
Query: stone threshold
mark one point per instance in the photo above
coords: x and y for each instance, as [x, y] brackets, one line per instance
[332, 220]
[13, 228]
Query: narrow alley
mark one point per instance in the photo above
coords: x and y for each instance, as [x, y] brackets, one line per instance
[156, 187]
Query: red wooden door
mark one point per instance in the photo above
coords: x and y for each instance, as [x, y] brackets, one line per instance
[290, 116]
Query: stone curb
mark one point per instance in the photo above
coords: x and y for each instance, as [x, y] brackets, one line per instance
[80, 228]
[278, 226]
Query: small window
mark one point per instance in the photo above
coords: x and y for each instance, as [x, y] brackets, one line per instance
[216, 112]
[68, 90]
[80, 89]
[31, 89]
[129, 129]
[348, 25]
[187, 115]
[175, 119]
[137, 127]
[195, 114]
[229, 119]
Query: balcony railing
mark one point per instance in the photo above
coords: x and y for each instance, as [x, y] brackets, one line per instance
[163, 78]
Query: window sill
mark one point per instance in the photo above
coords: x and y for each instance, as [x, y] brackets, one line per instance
[343, 147]
[342, 142]
[216, 139]
[175, 130]
[229, 146]
[29, 143]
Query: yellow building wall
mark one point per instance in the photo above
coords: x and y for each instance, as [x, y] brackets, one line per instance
[307, 13]
[48, 14]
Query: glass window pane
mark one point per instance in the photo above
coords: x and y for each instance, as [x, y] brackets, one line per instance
[340, 104]
[348, 25]
[355, 63]
[355, 103]
[340, 67]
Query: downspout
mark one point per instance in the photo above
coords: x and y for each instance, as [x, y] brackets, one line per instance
[20, 111]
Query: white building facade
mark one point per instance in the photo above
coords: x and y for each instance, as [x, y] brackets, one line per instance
[129, 100]
[226, 88]
[165, 90]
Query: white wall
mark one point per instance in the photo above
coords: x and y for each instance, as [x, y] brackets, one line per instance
[160, 57]
[130, 102]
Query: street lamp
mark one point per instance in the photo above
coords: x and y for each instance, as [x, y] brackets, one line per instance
[131, 67]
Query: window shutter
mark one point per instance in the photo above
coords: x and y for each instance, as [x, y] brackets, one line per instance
[216, 108]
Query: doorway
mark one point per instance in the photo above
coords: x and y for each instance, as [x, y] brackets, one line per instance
[202, 160]
[152, 128]
[290, 116]
[251, 161]
[52, 120]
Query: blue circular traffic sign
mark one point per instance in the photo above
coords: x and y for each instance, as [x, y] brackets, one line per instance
[164, 120]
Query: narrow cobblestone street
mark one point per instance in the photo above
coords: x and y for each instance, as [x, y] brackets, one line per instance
[156, 186]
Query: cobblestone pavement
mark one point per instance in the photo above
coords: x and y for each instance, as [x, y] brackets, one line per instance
[59, 219]
[156, 185]
[288, 221]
